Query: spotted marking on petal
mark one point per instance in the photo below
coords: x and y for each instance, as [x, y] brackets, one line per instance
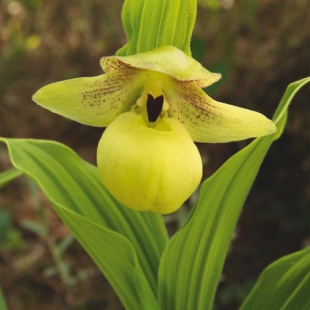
[111, 64]
[210, 121]
[206, 82]
[94, 101]
[111, 96]
[191, 107]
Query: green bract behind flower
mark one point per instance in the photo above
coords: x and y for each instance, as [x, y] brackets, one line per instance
[162, 86]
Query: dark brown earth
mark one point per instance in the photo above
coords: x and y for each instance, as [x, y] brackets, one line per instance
[259, 47]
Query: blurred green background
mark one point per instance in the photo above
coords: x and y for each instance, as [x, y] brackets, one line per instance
[258, 46]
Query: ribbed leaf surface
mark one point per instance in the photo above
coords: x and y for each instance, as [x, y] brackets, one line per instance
[284, 285]
[149, 24]
[74, 188]
[192, 262]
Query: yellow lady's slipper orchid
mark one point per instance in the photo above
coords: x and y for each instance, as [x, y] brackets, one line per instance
[154, 108]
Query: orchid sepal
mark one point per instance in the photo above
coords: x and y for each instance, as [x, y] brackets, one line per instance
[166, 59]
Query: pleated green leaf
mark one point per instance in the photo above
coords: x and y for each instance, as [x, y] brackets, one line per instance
[193, 260]
[149, 24]
[116, 257]
[2, 301]
[73, 187]
[112, 252]
[284, 285]
[8, 176]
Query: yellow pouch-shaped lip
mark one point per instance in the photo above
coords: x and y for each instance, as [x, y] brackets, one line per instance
[149, 169]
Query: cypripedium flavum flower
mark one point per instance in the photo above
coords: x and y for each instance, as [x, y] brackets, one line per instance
[154, 108]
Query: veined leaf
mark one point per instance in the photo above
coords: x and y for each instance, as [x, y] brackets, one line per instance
[8, 176]
[280, 115]
[192, 263]
[149, 24]
[113, 254]
[73, 185]
[193, 260]
[284, 285]
[2, 301]
[116, 257]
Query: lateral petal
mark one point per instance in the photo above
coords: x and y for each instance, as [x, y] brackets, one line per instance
[210, 121]
[94, 101]
[166, 59]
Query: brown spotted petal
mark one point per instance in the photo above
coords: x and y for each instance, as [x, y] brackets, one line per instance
[94, 101]
[210, 121]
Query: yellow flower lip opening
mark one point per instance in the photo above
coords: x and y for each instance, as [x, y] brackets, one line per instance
[154, 107]
[148, 169]
[152, 104]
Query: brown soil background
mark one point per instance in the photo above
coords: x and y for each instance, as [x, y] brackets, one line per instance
[259, 47]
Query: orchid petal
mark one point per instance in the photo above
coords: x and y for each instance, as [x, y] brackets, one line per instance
[210, 121]
[94, 101]
[166, 59]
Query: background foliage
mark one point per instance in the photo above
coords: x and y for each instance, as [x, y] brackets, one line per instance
[259, 47]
